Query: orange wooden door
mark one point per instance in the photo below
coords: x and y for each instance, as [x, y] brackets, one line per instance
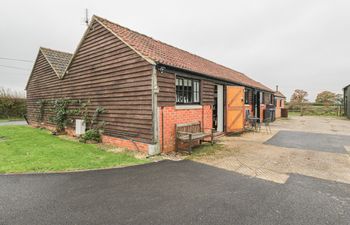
[234, 108]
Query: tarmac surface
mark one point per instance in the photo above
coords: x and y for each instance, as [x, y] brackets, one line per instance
[313, 141]
[169, 192]
[19, 122]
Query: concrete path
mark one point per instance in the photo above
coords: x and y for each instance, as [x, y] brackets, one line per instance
[13, 123]
[168, 192]
[312, 146]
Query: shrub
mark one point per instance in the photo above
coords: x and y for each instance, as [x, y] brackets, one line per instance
[12, 104]
[91, 135]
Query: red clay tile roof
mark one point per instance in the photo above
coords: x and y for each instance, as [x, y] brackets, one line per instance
[162, 53]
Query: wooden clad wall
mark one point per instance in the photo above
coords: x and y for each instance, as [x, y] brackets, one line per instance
[111, 75]
[208, 92]
[44, 84]
[167, 89]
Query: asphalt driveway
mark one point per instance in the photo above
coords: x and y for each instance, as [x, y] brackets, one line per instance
[167, 192]
[313, 141]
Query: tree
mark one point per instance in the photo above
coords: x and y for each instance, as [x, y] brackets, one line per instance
[339, 99]
[326, 98]
[12, 103]
[299, 99]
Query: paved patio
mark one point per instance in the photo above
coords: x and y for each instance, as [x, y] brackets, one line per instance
[311, 146]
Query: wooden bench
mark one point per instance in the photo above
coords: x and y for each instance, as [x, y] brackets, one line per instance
[190, 132]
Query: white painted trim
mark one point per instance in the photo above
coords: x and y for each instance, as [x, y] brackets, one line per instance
[220, 108]
[188, 107]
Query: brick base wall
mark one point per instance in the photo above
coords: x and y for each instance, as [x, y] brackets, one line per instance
[131, 145]
[174, 116]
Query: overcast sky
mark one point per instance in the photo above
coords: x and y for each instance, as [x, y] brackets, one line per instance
[295, 44]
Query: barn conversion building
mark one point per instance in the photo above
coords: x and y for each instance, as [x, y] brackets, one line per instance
[145, 86]
[347, 101]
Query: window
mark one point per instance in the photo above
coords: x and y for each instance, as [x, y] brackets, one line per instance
[262, 98]
[271, 98]
[246, 96]
[187, 91]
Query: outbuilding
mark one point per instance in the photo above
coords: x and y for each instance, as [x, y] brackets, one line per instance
[279, 102]
[347, 101]
[145, 86]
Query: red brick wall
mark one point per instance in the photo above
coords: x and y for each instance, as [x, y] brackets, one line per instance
[262, 108]
[279, 106]
[124, 143]
[174, 116]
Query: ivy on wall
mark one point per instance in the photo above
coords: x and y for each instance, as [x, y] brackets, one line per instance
[62, 110]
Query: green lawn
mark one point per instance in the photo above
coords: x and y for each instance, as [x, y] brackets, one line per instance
[26, 149]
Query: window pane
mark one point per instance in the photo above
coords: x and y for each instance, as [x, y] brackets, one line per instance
[187, 91]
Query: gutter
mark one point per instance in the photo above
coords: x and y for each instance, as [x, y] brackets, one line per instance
[175, 70]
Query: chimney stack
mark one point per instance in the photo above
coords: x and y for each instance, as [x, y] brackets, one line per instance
[276, 87]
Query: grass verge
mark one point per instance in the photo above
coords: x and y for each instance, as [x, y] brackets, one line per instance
[206, 150]
[26, 149]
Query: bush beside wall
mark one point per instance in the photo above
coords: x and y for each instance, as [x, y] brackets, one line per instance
[12, 104]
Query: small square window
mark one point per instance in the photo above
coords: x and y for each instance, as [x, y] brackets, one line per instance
[187, 91]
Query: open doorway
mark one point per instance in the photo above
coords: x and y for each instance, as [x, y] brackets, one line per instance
[218, 108]
[256, 103]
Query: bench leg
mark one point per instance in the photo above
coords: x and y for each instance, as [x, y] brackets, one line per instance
[190, 144]
[176, 145]
[212, 136]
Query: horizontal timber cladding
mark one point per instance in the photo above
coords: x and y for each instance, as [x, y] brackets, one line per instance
[108, 73]
[44, 84]
[208, 88]
[167, 89]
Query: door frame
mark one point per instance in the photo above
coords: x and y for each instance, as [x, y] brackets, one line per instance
[220, 108]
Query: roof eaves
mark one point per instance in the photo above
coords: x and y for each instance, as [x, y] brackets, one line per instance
[79, 45]
[125, 42]
[214, 77]
[31, 73]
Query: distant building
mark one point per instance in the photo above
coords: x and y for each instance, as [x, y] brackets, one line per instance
[347, 101]
[279, 102]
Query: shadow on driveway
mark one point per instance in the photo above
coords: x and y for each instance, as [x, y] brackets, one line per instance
[169, 192]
